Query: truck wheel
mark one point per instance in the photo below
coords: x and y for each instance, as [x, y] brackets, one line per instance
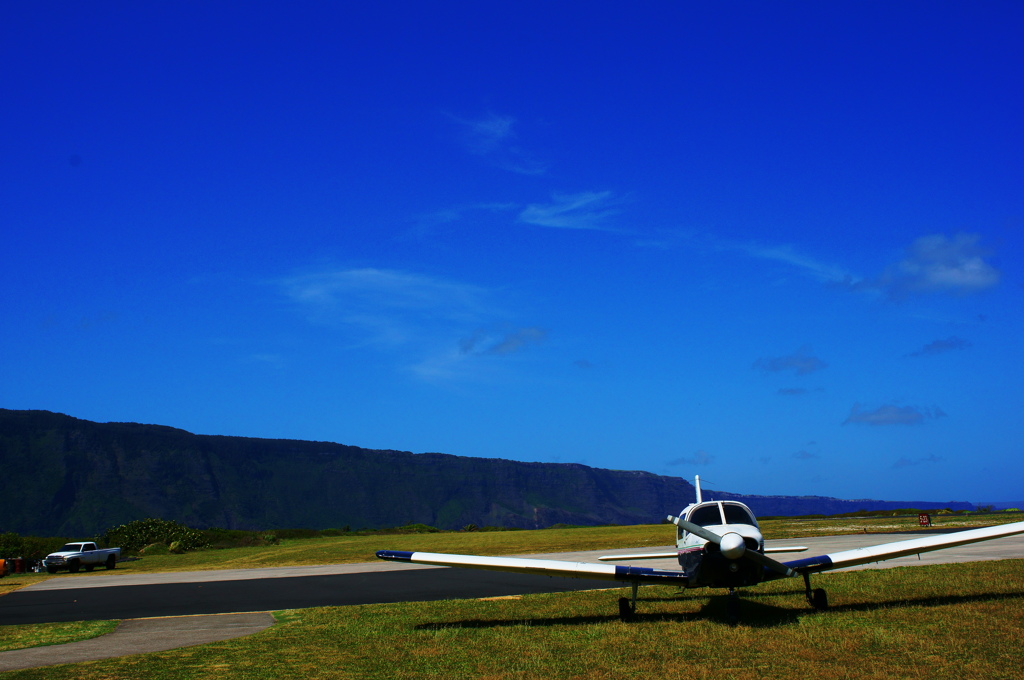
[111, 562]
[73, 566]
[51, 570]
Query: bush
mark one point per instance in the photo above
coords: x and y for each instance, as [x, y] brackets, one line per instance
[154, 549]
[238, 538]
[145, 532]
[10, 545]
[297, 533]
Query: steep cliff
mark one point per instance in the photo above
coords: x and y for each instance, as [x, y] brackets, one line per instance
[65, 476]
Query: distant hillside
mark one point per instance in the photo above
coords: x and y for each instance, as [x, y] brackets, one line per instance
[62, 476]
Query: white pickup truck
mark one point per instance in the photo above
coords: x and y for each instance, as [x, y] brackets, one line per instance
[74, 556]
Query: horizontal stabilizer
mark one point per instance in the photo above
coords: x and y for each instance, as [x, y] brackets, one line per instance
[640, 556]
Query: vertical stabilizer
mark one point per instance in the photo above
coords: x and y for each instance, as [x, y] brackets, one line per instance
[696, 483]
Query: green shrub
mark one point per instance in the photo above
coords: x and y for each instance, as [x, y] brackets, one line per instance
[297, 533]
[10, 545]
[154, 549]
[417, 529]
[144, 532]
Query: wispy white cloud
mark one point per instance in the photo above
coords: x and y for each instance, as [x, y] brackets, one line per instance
[390, 306]
[941, 347]
[890, 414]
[456, 213]
[801, 362]
[586, 210]
[487, 342]
[423, 322]
[786, 254]
[493, 137]
[805, 455]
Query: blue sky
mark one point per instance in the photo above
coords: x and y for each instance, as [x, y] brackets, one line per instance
[774, 244]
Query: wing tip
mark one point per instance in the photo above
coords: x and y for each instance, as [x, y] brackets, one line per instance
[396, 555]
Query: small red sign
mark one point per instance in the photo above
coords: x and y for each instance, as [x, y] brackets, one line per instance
[924, 519]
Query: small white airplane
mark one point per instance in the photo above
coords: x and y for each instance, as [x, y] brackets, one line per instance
[718, 545]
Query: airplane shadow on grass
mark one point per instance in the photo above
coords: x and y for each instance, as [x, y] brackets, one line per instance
[754, 614]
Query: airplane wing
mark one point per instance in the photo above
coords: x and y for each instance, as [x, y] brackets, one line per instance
[888, 551]
[605, 572]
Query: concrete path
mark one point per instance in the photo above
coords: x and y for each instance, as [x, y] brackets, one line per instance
[138, 636]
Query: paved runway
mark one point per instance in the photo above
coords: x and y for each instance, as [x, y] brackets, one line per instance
[122, 595]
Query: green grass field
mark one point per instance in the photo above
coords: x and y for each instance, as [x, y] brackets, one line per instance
[943, 621]
[939, 621]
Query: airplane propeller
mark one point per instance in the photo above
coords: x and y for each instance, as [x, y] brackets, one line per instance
[732, 546]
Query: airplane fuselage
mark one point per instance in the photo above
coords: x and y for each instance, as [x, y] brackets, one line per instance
[707, 564]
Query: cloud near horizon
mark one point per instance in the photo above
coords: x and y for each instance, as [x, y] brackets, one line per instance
[801, 362]
[701, 457]
[940, 347]
[936, 264]
[907, 462]
[890, 414]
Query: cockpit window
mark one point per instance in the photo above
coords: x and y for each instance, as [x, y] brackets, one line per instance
[735, 514]
[706, 515]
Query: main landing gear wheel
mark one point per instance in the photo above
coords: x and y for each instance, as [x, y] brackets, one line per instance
[819, 599]
[627, 606]
[625, 609]
[733, 607]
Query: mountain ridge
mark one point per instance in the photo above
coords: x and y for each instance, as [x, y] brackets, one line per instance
[68, 476]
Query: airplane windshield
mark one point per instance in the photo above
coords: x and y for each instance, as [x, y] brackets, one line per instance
[735, 514]
[706, 515]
